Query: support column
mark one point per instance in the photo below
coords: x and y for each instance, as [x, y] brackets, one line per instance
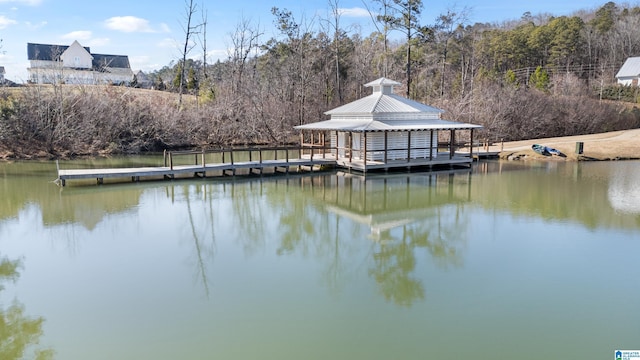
[409, 146]
[364, 135]
[431, 145]
[452, 141]
[386, 146]
[471, 145]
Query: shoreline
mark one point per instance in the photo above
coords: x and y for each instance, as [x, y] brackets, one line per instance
[609, 146]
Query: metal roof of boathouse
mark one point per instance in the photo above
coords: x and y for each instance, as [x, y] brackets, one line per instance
[383, 101]
[384, 110]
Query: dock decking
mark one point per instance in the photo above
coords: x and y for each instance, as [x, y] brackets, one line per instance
[222, 162]
[171, 171]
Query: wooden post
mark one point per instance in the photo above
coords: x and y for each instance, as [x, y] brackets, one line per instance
[171, 160]
[204, 164]
[431, 145]
[337, 146]
[164, 157]
[350, 146]
[365, 150]
[409, 146]
[386, 146]
[452, 139]
[471, 146]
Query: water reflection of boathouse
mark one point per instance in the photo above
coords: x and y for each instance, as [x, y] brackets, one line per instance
[386, 202]
[384, 131]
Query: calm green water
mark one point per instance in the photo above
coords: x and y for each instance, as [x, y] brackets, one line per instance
[511, 260]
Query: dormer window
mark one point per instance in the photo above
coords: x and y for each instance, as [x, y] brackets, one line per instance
[76, 61]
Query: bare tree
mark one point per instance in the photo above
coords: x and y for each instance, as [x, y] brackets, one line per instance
[446, 25]
[190, 30]
[245, 39]
[336, 13]
[203, 42]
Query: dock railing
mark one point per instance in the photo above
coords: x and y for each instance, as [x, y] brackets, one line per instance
[233, 156]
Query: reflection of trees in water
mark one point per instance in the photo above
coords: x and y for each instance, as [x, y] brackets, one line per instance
[250, 214]
[394, 264]
[203, 250]
[395, 258]
[438, 226]
[18, 332]
[297, 217]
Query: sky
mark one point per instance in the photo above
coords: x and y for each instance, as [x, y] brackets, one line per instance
[151, 32]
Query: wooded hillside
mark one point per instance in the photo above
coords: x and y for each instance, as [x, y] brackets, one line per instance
[538, 76]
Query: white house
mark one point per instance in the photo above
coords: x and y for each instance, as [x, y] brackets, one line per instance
[629, 72]
[385, 130]
[75, 64]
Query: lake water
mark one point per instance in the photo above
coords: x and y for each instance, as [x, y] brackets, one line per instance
[510, 260]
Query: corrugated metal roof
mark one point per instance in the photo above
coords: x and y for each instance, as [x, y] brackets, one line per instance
[385, 111]
[382, 82]
[383, 100]
[379, 102]
[387, 125]
[630, 68]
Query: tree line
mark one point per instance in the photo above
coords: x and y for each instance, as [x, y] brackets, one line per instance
[537, 76]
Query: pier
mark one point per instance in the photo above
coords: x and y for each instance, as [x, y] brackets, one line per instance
[203, 163]
[258, 161]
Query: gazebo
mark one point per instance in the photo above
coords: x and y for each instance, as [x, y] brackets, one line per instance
[384, 131]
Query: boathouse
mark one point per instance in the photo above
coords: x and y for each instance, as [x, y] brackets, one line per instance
[385, 130]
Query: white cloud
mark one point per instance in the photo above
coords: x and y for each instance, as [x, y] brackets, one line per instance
[99, 42]
[168, 43]
[128, 24]
[355, 12]
[6, 22]
[165, 28]
[25, 2]
[218, 54]
[38, 26]
[78, 35]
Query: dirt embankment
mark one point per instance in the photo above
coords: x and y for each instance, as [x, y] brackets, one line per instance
[616, 145]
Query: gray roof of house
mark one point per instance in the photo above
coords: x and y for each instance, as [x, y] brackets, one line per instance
[49, 52]
[101, 61]
[630, 68]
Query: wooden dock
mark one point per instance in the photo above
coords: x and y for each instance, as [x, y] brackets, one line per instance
[202, 165]
[226, 162]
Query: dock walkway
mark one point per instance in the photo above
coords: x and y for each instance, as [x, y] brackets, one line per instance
[202, 166]
[223, 162]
